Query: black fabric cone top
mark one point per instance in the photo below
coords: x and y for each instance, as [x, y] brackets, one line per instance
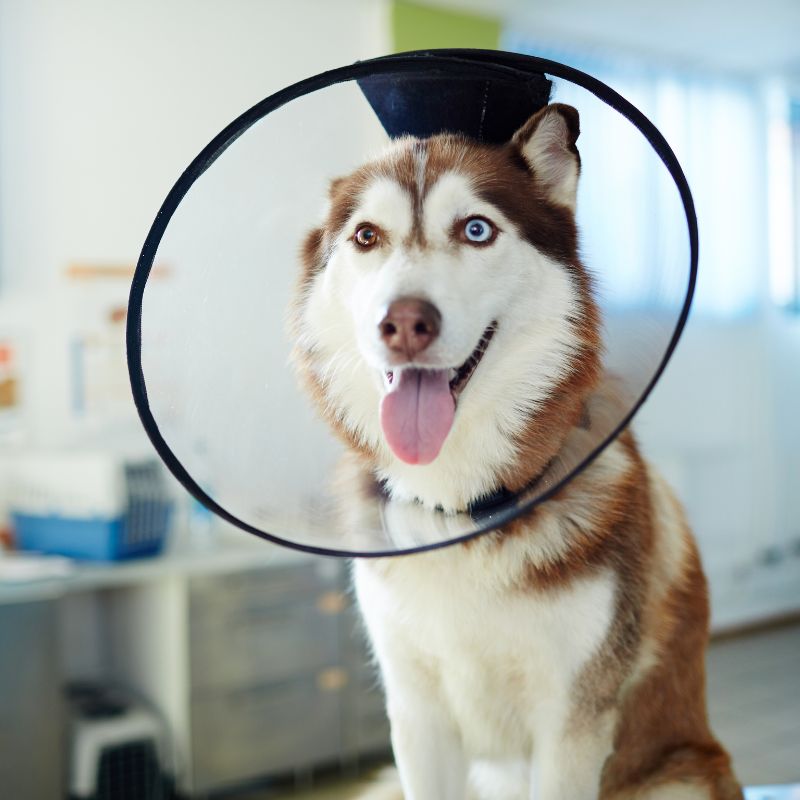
[489, 110]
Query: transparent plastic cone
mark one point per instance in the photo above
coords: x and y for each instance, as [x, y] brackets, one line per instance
[219, 394]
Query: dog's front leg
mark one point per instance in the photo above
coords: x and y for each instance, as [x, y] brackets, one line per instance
[569, 760]
[426, 742]
[427, 748]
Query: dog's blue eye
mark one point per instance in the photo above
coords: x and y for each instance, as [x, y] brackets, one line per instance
[478, 230]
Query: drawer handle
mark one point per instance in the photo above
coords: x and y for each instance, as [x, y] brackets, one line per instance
[333, 679]
[332, 603]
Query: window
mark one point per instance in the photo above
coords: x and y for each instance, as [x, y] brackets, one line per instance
[716, 126]
[783, 143]
[794, 123]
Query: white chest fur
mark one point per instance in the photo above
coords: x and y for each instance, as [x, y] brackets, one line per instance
[495, 658]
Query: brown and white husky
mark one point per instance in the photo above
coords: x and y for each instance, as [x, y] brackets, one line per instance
[446, 328]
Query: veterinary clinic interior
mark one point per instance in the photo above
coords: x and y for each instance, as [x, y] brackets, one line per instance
[152, 649]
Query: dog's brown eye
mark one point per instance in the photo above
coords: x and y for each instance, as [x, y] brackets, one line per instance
[366, 236]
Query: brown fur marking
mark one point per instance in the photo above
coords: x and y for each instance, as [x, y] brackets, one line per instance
[663, 735]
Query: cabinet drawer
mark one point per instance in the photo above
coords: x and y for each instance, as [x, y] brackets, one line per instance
[262, 645]
[212, 597]
[267, 729]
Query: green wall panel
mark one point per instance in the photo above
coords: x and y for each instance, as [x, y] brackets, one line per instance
[417, 27]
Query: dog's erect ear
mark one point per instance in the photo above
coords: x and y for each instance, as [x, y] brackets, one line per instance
[312, 252]
[547, 142]
[334, 186]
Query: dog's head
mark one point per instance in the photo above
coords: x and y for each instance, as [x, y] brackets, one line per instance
[443, 321]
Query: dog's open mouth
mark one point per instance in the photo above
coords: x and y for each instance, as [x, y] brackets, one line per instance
[418, 410]
[466, 370]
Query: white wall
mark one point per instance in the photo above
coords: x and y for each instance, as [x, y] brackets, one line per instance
[722, 426]
[102, 106]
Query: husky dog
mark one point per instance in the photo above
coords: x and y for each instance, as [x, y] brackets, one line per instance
[447, 330]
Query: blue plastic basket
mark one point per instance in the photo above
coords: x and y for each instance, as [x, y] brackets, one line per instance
[98, 539]
[140, 532]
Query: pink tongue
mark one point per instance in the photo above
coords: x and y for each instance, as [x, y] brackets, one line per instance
[417, 414]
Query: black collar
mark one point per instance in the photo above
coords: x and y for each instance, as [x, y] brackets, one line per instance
[488, 504]
[479, 509]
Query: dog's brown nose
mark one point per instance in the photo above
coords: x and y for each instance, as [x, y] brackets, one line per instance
[410, 325]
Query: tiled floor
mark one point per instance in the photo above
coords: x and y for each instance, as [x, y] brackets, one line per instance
[333, 789]
[754, 703]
